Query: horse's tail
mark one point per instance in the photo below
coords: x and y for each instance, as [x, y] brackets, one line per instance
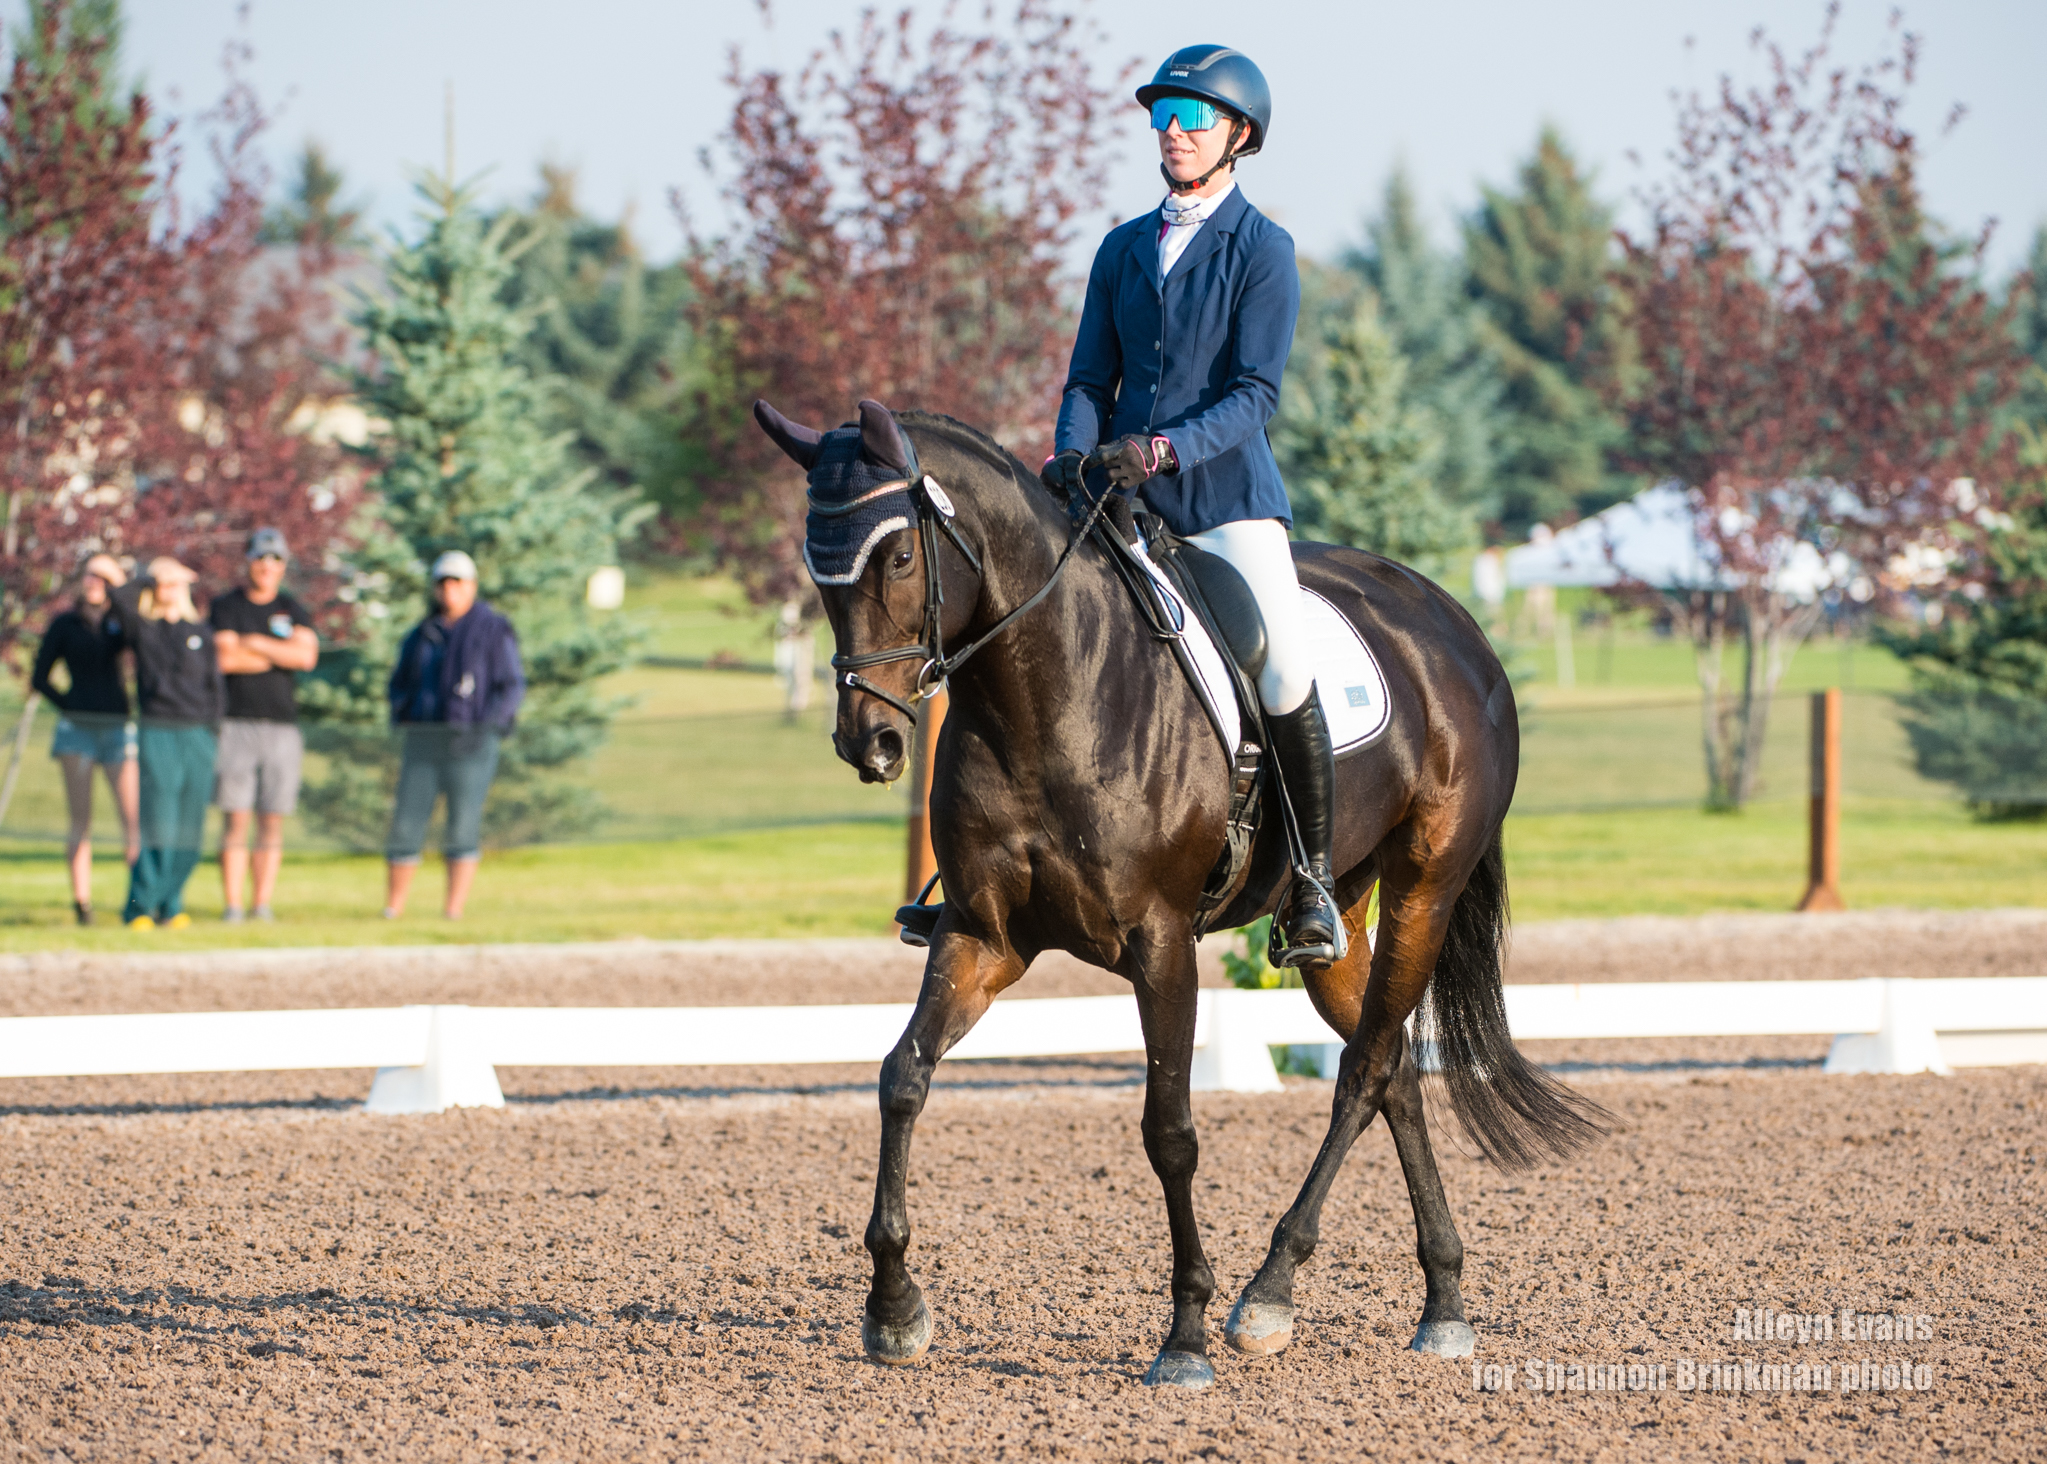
[1513, 1110]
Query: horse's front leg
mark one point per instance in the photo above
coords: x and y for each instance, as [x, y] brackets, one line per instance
[961, 978]
[1165, 979]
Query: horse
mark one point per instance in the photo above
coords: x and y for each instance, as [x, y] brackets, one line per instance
[1079, 797]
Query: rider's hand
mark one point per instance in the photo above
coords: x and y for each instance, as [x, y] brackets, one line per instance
[1061, 473]
[1132, 460]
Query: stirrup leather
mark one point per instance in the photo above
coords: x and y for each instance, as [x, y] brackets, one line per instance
[1281, 951]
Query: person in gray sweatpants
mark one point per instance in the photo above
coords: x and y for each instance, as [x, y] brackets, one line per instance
[264, 637]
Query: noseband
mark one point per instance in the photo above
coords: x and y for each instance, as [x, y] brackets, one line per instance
[935, 516]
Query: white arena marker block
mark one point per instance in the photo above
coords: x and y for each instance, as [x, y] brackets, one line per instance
[1230, 1055]
[457, 1072]
[1904, 1041]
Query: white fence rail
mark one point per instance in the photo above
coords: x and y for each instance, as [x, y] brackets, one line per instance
[433, 1057]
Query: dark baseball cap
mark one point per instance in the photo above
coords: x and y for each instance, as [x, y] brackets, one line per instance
[266, 542]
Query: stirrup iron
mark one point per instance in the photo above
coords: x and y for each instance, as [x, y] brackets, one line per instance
[917, 919]
[1287, 957]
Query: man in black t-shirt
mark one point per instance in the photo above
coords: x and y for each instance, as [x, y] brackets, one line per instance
[264, 637]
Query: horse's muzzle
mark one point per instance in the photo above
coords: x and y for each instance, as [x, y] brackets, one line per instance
[880, 753]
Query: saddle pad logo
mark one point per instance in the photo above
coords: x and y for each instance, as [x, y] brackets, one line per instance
[1358, 696]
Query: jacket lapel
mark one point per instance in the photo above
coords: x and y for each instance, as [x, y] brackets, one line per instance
[1210, 238]
[1147, 246]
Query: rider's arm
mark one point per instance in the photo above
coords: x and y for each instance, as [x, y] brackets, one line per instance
[1089, 400]
[1264, 334]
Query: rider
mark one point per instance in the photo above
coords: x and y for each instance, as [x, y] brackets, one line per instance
[1189, 315]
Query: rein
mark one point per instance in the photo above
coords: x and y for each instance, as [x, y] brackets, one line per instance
[934, 517]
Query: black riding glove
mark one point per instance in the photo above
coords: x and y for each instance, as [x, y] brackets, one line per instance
[1061, 473]
[1132, 460]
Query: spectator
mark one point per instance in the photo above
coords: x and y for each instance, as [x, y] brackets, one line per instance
[178, 692]
[263, 638]
[92, 725]
[454, 694]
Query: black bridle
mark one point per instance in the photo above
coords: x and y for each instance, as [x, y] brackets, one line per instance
[935, 516]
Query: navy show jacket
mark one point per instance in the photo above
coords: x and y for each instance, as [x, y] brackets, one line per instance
[1196, 359]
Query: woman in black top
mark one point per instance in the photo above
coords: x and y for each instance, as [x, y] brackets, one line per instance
[92, 725]
[178, 693]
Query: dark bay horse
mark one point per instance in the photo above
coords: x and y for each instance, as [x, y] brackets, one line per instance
[1079, 796]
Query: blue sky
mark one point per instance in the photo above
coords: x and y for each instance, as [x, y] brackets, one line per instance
[629, 91]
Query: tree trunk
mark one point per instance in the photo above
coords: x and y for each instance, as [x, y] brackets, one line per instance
[1734, 722]
[22, 731]
[1773, 629]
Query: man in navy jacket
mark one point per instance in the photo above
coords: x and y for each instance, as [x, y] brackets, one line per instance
[454, 693]
[1183, 339]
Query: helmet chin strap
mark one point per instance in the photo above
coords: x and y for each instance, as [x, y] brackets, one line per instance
[1174, 185]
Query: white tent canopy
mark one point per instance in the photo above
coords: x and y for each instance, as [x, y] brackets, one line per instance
[1653, 539]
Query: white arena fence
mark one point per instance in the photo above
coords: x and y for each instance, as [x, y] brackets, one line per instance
[429, 1058]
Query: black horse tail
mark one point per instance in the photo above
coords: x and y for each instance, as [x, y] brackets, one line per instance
[1514, 1111]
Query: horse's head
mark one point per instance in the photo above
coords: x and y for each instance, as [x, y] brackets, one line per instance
[870, 543]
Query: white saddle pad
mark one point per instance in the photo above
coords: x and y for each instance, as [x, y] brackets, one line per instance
[1347, 678]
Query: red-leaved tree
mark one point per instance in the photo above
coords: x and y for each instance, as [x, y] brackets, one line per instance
[161, 385]
[904, 207]
[1819, 370]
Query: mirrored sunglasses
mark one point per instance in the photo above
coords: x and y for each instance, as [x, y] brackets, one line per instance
[1193, 114]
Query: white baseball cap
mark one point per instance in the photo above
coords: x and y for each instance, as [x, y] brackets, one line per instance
[454, 565]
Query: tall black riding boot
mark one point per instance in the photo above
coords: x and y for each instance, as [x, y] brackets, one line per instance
[1308, 931]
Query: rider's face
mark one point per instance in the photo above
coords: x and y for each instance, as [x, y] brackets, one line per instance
[1190, 154]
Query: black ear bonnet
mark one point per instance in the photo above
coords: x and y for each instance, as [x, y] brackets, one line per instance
[860, 487]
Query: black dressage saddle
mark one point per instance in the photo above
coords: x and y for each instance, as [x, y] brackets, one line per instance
[1219, 597]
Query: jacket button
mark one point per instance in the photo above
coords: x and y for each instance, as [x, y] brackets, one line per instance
[1158, 345]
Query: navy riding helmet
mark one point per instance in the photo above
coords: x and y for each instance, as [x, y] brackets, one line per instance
[1216, 74]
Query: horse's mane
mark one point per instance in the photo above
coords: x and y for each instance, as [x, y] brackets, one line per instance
[972, 440]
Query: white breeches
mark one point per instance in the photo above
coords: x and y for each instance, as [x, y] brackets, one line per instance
[1258, 550]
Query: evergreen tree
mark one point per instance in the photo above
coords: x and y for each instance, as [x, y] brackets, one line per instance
[97, 24]
[1538, 263]
[465, 462]
[314, 211]
[1361, 462]
[1977, 712]
[611, 346]
[1450, 372]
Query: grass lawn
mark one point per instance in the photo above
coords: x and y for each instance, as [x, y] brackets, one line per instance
[731, 819]
[845, 880]
[826, 880]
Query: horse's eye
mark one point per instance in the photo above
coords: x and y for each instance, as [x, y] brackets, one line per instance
[902, 559]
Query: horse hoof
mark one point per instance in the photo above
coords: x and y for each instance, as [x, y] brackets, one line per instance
[897, 1346]
[1445, 1339]
[1187, 1370]
[1260, 1328]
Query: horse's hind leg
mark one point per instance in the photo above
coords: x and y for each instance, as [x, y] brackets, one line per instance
[1417, 908]
[1443, 1330]
[1262, 1321]
[960, 980]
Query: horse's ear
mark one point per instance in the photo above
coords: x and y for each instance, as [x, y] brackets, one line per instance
[798, 441]
[881, 437]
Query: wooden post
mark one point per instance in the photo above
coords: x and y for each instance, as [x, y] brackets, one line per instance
[1823, 889]
[922, 863]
